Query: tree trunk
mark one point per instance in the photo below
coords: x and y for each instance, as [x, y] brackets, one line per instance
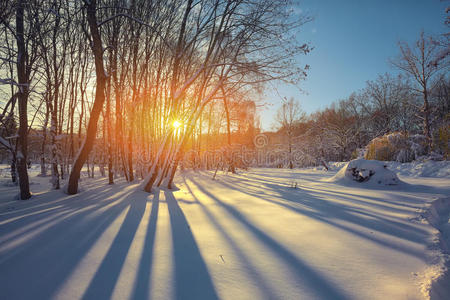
[98, 102]
[291, 165]
[108, 130]
[22, 75]
[426, 119]
[44, 138]
[227, 114]
[55, 173]
[13, 169]
[130, 149]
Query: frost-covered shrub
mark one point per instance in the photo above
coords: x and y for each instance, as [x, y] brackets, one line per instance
[396, 146]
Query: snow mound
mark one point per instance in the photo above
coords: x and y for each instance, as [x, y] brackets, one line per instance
[367, 172]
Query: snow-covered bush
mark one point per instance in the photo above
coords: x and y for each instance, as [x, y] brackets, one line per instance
[396, 146]
[366, 171]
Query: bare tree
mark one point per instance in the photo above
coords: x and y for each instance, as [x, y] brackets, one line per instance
[23, 66]
[97, 49]
[287, 117]
[419, 62]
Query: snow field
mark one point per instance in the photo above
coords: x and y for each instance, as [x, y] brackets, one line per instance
[242, 236]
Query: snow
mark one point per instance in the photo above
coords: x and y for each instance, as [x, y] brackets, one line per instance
[429, 168]
[421, 168]
[365, 172]
[249, 235]
[438, 215]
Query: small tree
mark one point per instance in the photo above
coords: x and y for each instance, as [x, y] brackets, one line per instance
[288, 116]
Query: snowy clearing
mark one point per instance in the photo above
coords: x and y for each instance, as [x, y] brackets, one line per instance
[252, 235]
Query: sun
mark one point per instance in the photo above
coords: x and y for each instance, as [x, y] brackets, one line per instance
[176, 124]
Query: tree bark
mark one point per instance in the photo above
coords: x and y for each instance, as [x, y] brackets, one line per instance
[426, 119]
[108, 132]
[22, 75]
[98, 102]
[44, 138]
[227, 114]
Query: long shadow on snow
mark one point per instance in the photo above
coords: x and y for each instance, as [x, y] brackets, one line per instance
[104, 280]
[316, 200]
[70, 209]
[192, 278]
[305, 274]
[38, 205]
[34, 221]
[313, 177]
[326, 211]
[270, 178]
[141, 286]
[58, 250]
[244, 259]
[321, 203]
[375, 201]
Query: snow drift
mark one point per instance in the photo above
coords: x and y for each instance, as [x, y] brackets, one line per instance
[438, 216]
[241, 236]
[371, 172]
[425, 168]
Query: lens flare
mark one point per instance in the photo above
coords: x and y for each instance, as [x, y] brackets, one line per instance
[176, 124]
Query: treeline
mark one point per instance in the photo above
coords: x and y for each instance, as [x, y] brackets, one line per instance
[119, 74]
[388, 104]
[396, 112]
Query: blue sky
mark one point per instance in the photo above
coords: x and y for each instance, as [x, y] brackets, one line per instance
[353, 41]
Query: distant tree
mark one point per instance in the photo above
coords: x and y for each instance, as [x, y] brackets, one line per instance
[288, 116]
[419, 62]
[386, 97]
[444, 41]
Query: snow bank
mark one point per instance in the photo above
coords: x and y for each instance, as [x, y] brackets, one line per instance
[428, 168]
[438, 216]
[419, 168]
[367, 172]
[336, 165]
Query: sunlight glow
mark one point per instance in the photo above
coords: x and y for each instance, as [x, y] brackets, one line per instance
[176, 124]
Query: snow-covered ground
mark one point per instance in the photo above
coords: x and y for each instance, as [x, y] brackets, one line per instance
[261, 234]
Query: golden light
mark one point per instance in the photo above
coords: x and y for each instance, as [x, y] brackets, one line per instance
[176, 124]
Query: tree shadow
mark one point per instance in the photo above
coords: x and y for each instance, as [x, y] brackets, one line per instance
[251, 269]
[314, 197]
[315, 206]
[40, 265]
[31, 222]
[45, 259]
[322, 287]
[103, 283]
[141, 285]
[38, 206]
[192, 278]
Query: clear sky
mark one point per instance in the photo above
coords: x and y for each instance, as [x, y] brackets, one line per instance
[353, 41]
